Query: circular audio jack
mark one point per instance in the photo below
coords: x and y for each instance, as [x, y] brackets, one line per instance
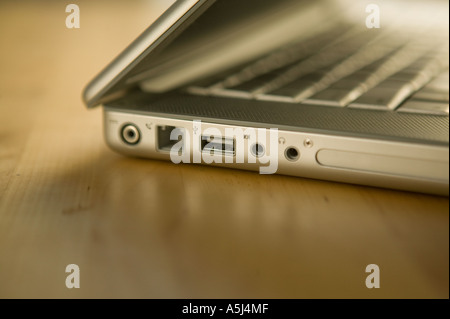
[257, 150]
[292, 154]
[131, 134]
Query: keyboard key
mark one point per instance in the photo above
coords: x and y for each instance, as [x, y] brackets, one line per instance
[416, 78]
[440, 83]
[330, 97]
[292, 89]
[313, 77]
[437, 90]
[345, 84]
[386, 96]
[426, 107]
[351, 81]
[428, 94]
[253, 84]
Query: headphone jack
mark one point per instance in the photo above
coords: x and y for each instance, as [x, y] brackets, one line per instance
[131, 134]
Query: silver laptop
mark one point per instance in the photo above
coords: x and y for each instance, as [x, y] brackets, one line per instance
[339, 90]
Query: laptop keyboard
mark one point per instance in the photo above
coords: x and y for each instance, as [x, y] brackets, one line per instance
[355, 69]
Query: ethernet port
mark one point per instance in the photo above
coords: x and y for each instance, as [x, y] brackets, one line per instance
[163, 135]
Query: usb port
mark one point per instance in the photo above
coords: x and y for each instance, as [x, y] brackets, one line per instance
[218, 145]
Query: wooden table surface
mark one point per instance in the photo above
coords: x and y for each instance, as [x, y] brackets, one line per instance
[151, 229]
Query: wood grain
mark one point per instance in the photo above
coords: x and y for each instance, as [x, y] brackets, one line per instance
[150, 229]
